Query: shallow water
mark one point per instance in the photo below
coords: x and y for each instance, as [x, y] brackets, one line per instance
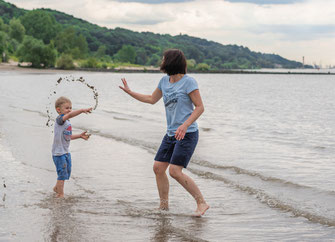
[264, 161]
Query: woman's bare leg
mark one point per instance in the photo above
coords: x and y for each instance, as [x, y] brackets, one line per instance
[162, 183]
[190, 186]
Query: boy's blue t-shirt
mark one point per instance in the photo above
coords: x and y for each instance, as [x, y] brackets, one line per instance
[178, 104]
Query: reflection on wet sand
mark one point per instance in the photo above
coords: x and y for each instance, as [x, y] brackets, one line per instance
[62, 225]
[165, 230]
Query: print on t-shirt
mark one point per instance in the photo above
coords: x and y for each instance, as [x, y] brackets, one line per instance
[68, 133]
[170, 101]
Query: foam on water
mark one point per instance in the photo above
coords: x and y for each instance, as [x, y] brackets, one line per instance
[312, 203]
[297, 208]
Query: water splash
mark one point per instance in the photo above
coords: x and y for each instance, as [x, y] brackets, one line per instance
[70, 79]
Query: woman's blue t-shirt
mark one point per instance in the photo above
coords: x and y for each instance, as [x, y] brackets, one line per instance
[178, 104]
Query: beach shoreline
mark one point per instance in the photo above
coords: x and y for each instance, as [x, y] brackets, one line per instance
[24, 69]
[13, 66]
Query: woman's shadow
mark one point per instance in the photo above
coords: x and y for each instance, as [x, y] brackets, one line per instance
[188, 229]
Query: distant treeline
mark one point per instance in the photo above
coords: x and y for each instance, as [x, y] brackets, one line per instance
[48, 38]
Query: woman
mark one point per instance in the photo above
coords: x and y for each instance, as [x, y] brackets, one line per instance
[180, 94]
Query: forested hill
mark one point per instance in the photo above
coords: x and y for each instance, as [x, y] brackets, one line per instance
[145, 48]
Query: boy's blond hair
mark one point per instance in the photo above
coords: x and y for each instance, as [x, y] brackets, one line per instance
[60, 101]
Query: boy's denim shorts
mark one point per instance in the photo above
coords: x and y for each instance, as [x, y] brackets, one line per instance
[177, 152]
[63, 165]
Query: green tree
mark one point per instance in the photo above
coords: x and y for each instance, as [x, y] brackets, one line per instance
[101, 52]
[12, 46]
[65, 62]
[1, 24]
[49, 55]
[154, 60]
[16, 30]
[3, 41]
[35, 51]
[69, 42]
[191, 63]
[202, 67]
[3, 46]
[64, 39]
[5, 28]
[90, 63]
[40, 25]
[82, 45]
[75, 53]
[192, 52]
[126, 54]
[141, 56]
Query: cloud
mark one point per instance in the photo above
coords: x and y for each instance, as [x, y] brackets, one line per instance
[266, 1]
[155, 1]
[298, 32]
[121, 14]
[293, 25]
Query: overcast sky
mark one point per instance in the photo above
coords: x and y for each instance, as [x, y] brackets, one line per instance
[290, 28]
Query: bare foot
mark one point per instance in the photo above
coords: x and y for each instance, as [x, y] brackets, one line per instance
[59, 195]
[164, 208]
[164, 204]
[201, 209]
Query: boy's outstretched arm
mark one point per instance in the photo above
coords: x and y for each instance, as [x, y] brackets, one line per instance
[83, 135]
[75, 113]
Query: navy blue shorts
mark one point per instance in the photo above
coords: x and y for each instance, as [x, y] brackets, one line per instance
[63, 166]
[177, 152]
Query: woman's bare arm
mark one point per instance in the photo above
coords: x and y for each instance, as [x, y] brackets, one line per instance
[152, 99]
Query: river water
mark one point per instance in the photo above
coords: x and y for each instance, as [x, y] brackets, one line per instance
[264, 161]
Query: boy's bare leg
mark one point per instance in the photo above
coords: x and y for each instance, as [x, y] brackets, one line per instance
[162, 183]
[55, 188]
[60, 188]
[188, 183]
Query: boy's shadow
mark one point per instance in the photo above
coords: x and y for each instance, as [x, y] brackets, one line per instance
[62, 224]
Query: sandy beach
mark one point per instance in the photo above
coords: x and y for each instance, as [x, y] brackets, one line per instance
[13, 66]
[24, 67]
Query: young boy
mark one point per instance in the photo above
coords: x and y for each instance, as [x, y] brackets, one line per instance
[63, 135]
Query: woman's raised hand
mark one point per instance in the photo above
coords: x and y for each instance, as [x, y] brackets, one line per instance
[125, 86]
